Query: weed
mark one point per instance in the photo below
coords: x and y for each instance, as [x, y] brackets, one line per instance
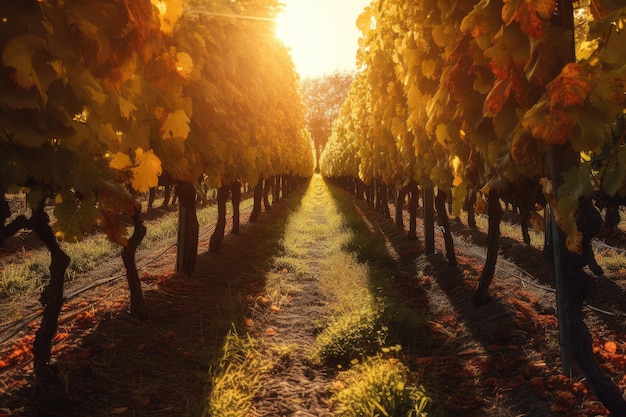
[378, 387]
[237, 377]
[351, 335]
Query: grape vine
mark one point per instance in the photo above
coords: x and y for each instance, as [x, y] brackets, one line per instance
[99, 99]
[488, 95]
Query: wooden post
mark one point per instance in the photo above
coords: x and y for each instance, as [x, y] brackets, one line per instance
[188, 229]
[429, 217]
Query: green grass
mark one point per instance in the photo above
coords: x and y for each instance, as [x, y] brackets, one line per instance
[237, 377]
[26, 278]
[379, 387]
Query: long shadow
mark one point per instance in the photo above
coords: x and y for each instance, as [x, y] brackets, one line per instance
[496, 331]
[125, 367]
[513, 250]
[605, 293]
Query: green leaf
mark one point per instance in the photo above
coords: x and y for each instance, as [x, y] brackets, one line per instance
[86, 88]
[614, 175]
[577, 182]
[74, 218]
[18, 53]
[591, 133]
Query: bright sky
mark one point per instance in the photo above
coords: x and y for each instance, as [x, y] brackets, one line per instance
[322, 34]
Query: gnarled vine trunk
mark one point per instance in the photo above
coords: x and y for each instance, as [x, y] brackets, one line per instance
[218, 235]
[51, 296]
[494, 210]
[444, 222]
[235, 189]
[400, 198]
[270, 183]
[137, 304]
[257, 198]
[429, 218]
[413, 204]
[470, 203]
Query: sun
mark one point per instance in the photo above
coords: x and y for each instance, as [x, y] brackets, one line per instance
[286, 26]
[297, 33]
[321, 34]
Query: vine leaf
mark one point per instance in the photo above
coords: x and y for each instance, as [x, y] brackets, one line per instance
[74, 218]
[18, 53]
[169, 13]
[114, 200]
[120, 161]
[571, 87]
[576, 183]
[146, 171]
[126, 108]
[565, 217]
[564, 213]
[498, 95]
[614, 175]
[509, 50]
[529, 15]
[184, 64]
[551, 126]
[544, 8]
[176, 125]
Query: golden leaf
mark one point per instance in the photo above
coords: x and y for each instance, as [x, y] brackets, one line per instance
[120, 161]
[147, 170]
[169, 12]
[176, 125]
[184, 64]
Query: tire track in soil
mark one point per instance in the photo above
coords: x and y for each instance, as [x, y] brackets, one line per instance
[295, 387]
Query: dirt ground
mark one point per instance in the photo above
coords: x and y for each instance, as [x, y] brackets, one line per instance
[497, 360]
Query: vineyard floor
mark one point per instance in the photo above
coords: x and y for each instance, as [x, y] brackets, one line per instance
[498, 360]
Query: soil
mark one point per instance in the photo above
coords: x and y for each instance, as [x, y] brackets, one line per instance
[498, 360]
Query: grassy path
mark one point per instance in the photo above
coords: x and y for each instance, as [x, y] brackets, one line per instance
[317, 316]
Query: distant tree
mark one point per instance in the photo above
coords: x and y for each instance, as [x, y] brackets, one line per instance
[323, 97]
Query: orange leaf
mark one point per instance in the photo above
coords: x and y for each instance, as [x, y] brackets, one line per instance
[274, 309]
[571, 87]
[610, 347]
[497, 97]
[551, 126]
